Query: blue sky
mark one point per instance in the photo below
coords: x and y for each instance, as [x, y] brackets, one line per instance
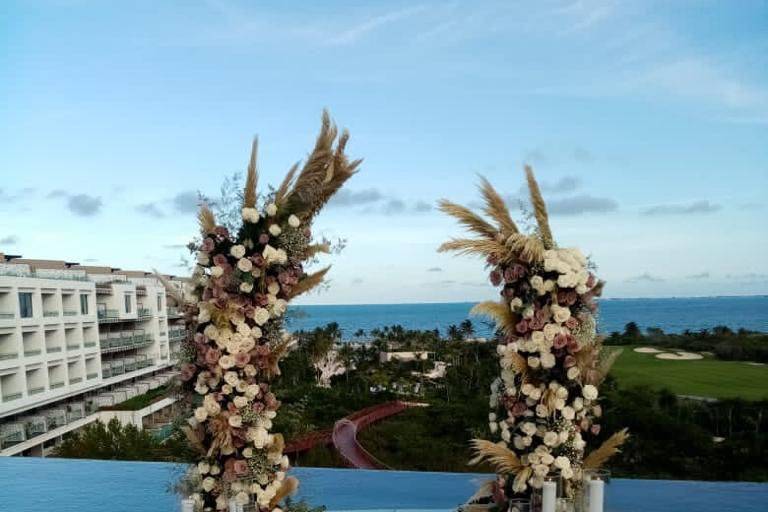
[646, 122]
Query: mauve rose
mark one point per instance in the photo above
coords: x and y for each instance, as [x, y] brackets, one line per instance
[240, 467]
[263, 239]
[257, 407]
[521, 326]
[519, 408]
[509, 275]
[221, 231]
[207, 245]
[508, 292]
[518, 270]
[231, 408]
[242, 359]
[536, 324]
[584, 425]
[495, 277]
[270, 401]
[573, 345]
[560, 341]
[219, 260]
[212, 356]
[492, 260]
[572, 323]
[590, 280]
[187, 371]
[595, 429]
[569, 361]
[200, 337]
[260, 299]
[562, 296]
[258, 260]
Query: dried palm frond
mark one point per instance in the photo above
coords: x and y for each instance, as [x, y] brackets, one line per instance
[608, 449]
[512, 360]
[539, 209]
[206, 219]
[502, 458]
[315, 171]
[308, 282]
[603, 367]
[485, 490]
[289, 486]
[498, 311]
[496, 208]
[251, 179]
[527, 248]
[277, 351]
[586, 361]
[195, 436]
[170, 289]
[486, 248]
[315, 249]
[468, 219]
[285, 187]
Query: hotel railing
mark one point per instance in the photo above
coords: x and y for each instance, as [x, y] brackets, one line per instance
[177, 334]
[125, 342]
[70, 312]
[173, 312]
[76, 380]
[107, 316]
[4, 357]
[7, 316]
[12, 396]
[35, 391]
[144, 313]
[73, 346]
[89, 344]
[57, 385]
[52, 349]
[33, 352]
[50, 313]
[34, 274]
[91, 376]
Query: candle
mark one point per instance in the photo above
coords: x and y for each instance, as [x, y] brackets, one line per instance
[188, 505]
[549, 496]
[596, 493]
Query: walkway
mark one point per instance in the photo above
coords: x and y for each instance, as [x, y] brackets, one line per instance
[344, 435]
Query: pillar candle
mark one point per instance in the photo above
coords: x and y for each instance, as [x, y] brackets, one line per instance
[596, 490]
[549, 496]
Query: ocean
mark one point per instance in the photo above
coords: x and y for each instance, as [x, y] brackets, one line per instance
[673, 315]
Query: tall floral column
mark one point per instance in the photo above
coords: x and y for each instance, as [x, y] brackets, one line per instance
[245, 282]
[545, 403]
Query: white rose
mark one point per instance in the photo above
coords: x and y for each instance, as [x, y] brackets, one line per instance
[515, 303]
[562, 314]
[236, 421]
[528, 428]
[578, 403]
[589, 391]
[203, 258]
[518, 443]
[252, 391]
[271, 209]
[246, 287]
[573, 372]
[547, 458]
[201, 389]
[550, 331]
[231, 378]
[226, 361]
[562, 462]
[240, 401]
[551, 439]
[535, 393]
[217, 271]
[244, 264]
[492, 416]
[208, 484]
[275, 230]
[273, 288]
[260, 316]
[250, 215]
[493, 427]
[201, 414]
[542, 411]
[534, 362]
[547, 360]
[537, 337]
[294, 221]
[203, 467]
[238, 251]
[215, 470]
[241, 498]
[568, 412]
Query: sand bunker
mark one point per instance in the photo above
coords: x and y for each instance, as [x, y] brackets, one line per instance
[679, 356]
[752, 363]
[647, 350]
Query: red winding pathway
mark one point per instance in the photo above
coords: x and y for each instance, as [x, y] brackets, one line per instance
[343, 436]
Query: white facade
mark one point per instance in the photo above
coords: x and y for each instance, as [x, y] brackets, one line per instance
[71, 337]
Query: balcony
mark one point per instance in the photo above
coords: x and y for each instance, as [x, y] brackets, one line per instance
[91, 376]
[73, 346]
[43, 275]
[57, 385]
[89, 344]
[50, 314]
[36, 391]
[107, 316]
[70, 312]
[144, 313]
[75, 380]
[51, 350]
[174, 313]
[7, 316]
[10, 397]
[33, 352]
[12, 355]
[177, 334]
[130, 342]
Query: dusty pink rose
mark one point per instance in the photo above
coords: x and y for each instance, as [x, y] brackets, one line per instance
[242, 359]
[219, 260]
[187, 371]
[569, 361]
[519, 408]
[221, 231]
[560, 341]
[207, 245]
[521, 326]
[240, 467]
[572, 323]
[263, 239]
[590, 280]
[595, 429]
[212, 356]
[495, 277]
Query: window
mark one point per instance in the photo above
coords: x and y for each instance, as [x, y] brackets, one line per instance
[159, 302]
[84, 303]
[25, 304]
[127, 302]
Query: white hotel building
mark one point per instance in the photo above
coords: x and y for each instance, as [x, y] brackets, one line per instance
[74, 339]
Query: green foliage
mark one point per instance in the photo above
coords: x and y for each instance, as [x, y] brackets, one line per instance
[110, 441]
[300, 506]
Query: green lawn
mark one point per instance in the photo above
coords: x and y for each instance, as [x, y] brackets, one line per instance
[707, 377]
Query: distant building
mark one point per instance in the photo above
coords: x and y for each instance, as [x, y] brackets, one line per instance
[405, 357]
[75, 338]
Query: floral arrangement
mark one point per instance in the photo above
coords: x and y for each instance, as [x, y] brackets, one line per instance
[244, 282]
[546, 401]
